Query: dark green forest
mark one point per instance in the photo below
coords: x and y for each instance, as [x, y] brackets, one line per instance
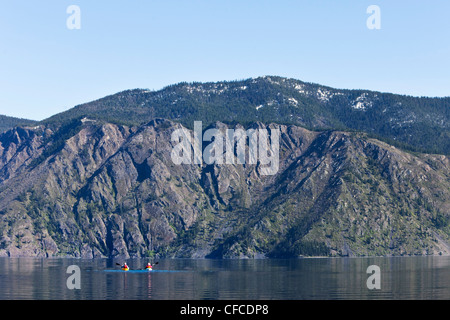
[11, 122]
[417, 124]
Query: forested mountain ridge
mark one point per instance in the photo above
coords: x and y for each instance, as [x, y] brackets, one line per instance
[414, 123]
[98, 180]
[11, 122]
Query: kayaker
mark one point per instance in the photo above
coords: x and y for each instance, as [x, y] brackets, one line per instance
[149, 266]
[125, 267]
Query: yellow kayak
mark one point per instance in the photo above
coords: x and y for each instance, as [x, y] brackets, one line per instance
[124, 267]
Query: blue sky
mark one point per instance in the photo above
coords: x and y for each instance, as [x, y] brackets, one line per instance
[46, 68]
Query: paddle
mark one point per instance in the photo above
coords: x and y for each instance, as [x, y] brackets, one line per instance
[120, 265]
[152, 265]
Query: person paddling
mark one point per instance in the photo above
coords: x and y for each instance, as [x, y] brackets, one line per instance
[125, 267]
[149, 266]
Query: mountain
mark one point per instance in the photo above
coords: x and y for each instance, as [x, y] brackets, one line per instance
[88, 187]
[419, 124]
[11, 122]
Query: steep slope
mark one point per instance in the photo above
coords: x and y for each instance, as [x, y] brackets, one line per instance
[92, 188]
[416, 123]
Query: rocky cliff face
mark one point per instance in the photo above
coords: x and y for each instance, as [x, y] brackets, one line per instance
[92, 189]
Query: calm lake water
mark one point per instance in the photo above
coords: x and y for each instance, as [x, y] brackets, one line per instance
[180, 279]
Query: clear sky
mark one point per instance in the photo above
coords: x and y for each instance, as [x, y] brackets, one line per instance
[46, 68]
